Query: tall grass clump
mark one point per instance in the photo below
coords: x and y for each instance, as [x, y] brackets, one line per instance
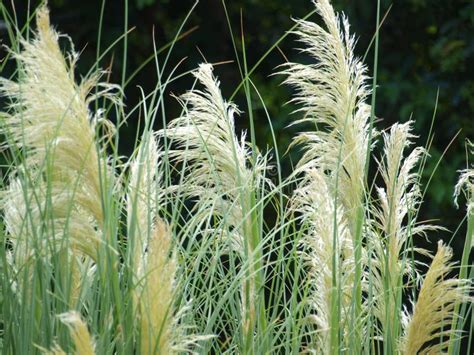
[83, 342]
[225, 181]
[395, 224]
[357, 288]
[54, 205]
[434, 308]
[333, 94]
[189, 245]
[60, 205]
[53, 127]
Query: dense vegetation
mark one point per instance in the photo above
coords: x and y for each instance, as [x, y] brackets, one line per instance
[433, 42]
[151, 207]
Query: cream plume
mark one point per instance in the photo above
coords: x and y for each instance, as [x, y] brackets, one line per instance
[395, 214]
[155, 297]
[333, 94]
[428, 327]
[56, 131]
[466, 184]
[218, 160]
[145, 196]
[79, 333]
[321, 242]
[222, 175]
[161, 328]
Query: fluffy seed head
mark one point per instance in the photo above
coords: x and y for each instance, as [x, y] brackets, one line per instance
[144, 196]
[313, 201]
[50, 122]
[219, 173]
[332, 93]
[155, 298]
[434, 310]
[466, 184]
[394, 223]
[79, 333]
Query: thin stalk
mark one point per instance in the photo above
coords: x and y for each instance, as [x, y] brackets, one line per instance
[255, 279]
[455, 341]
[361, 210]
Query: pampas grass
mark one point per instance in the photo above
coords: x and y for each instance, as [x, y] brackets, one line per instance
[153, 258]
[395, 224]
[466, 183]
[142, 200]
[333, 94]
[79, 333]
[435, 306]
[80, 336]
[174, 249]
[154, 299]
[51, 123]
[58, 184]
[223, 177]
[329, 261]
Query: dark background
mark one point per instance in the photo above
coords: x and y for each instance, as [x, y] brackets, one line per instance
[425, 46]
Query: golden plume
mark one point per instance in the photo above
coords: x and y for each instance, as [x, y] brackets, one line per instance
[428, 327]
[79, 333]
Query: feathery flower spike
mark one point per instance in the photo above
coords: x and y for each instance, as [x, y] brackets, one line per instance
[79, 333]
[53, 126]
[219, 174]
[333, 94]
[428, 327]
[313, 201]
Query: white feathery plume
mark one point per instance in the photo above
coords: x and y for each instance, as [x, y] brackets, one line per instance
[313, 201]
[466, 184]
[427, 329]
[395, 221]
[154, 264]
[144, 196]
[218, 171]
[145, 178]
[401, 194]
[52, 124]
[333, 94]
[218, 161]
